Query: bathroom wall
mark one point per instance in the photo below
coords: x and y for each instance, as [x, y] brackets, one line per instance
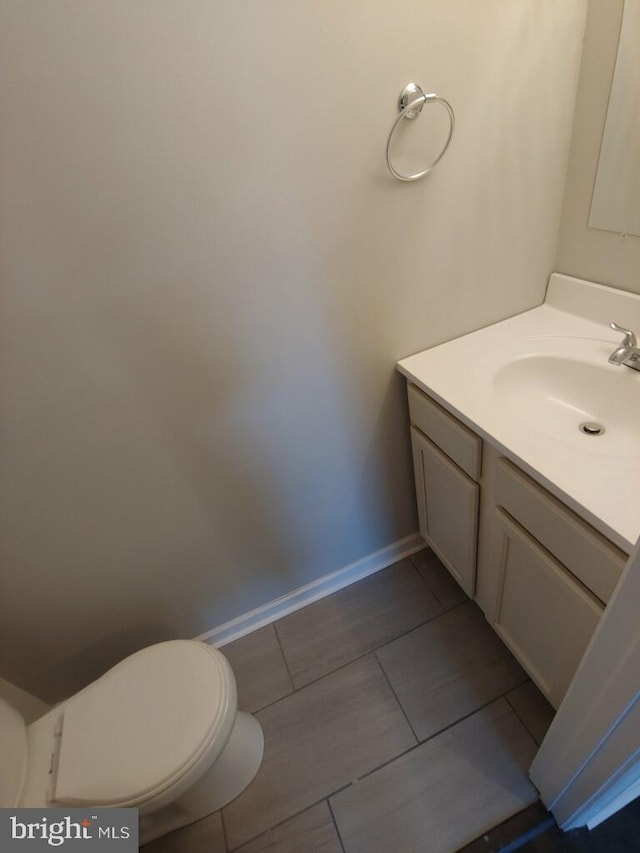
[29, 706]
[208, 275]
[585, 252]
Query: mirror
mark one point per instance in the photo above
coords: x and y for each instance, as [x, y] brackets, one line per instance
[615, 205]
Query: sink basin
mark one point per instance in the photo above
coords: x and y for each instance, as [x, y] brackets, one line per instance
[553, 393]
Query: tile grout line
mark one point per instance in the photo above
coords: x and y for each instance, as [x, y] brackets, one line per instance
[224, 830]
[401, 754]
[338, 592]
[426, 582]
[395, 695]
[327, 797]
[515, 711]
[465, 717]
[349, 662]
[419, 744]
[284, 657]
[432, 590]
[335, 823]
[359, 657]
[295, 689]
[282, 822]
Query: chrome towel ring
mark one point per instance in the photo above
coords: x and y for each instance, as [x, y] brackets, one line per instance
[410, 104]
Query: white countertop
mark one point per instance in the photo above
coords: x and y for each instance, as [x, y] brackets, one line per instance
[598, 477]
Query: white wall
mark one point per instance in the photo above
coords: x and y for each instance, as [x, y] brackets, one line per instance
[585, 252]
[208, 275]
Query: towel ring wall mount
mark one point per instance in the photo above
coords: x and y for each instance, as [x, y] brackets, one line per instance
[410, 103]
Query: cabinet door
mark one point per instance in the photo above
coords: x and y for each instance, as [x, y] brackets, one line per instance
[542, 613]
[447, 509]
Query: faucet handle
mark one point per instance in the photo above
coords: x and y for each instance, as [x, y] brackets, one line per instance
[629, 337]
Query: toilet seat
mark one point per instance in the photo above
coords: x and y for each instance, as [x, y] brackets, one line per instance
[146, 730]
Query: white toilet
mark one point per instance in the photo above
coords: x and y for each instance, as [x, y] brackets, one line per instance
[160, 731]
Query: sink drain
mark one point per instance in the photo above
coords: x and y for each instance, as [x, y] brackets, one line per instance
[591, 428]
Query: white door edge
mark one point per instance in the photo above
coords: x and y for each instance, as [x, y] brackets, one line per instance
[588, 764]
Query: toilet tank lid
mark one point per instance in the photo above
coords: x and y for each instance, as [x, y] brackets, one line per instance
[142, 725]
[13, 755]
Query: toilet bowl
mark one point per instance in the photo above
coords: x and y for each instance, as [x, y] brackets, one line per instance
[160, 731]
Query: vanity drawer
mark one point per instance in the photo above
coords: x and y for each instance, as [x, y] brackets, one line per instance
[595, 561]
[456, 440]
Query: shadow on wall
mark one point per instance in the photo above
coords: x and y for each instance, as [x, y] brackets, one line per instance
[58, 682]
[205, 412]
[242, 390]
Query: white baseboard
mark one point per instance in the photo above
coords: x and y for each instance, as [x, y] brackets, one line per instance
[272, 610]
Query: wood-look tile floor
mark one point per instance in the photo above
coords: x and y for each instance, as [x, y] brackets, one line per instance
[394, 720]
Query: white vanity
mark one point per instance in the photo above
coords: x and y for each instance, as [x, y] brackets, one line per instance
[533, 516]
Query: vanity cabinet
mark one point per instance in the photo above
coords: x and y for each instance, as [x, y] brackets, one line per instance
[541, 612]
[552, 575]
[447, 509]
[540, 573]
[446, 458]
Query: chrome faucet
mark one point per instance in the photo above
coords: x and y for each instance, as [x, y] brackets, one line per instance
[628, 352]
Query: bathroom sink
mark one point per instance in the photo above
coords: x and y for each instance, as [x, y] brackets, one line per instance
[528, 383]
[570, 393]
